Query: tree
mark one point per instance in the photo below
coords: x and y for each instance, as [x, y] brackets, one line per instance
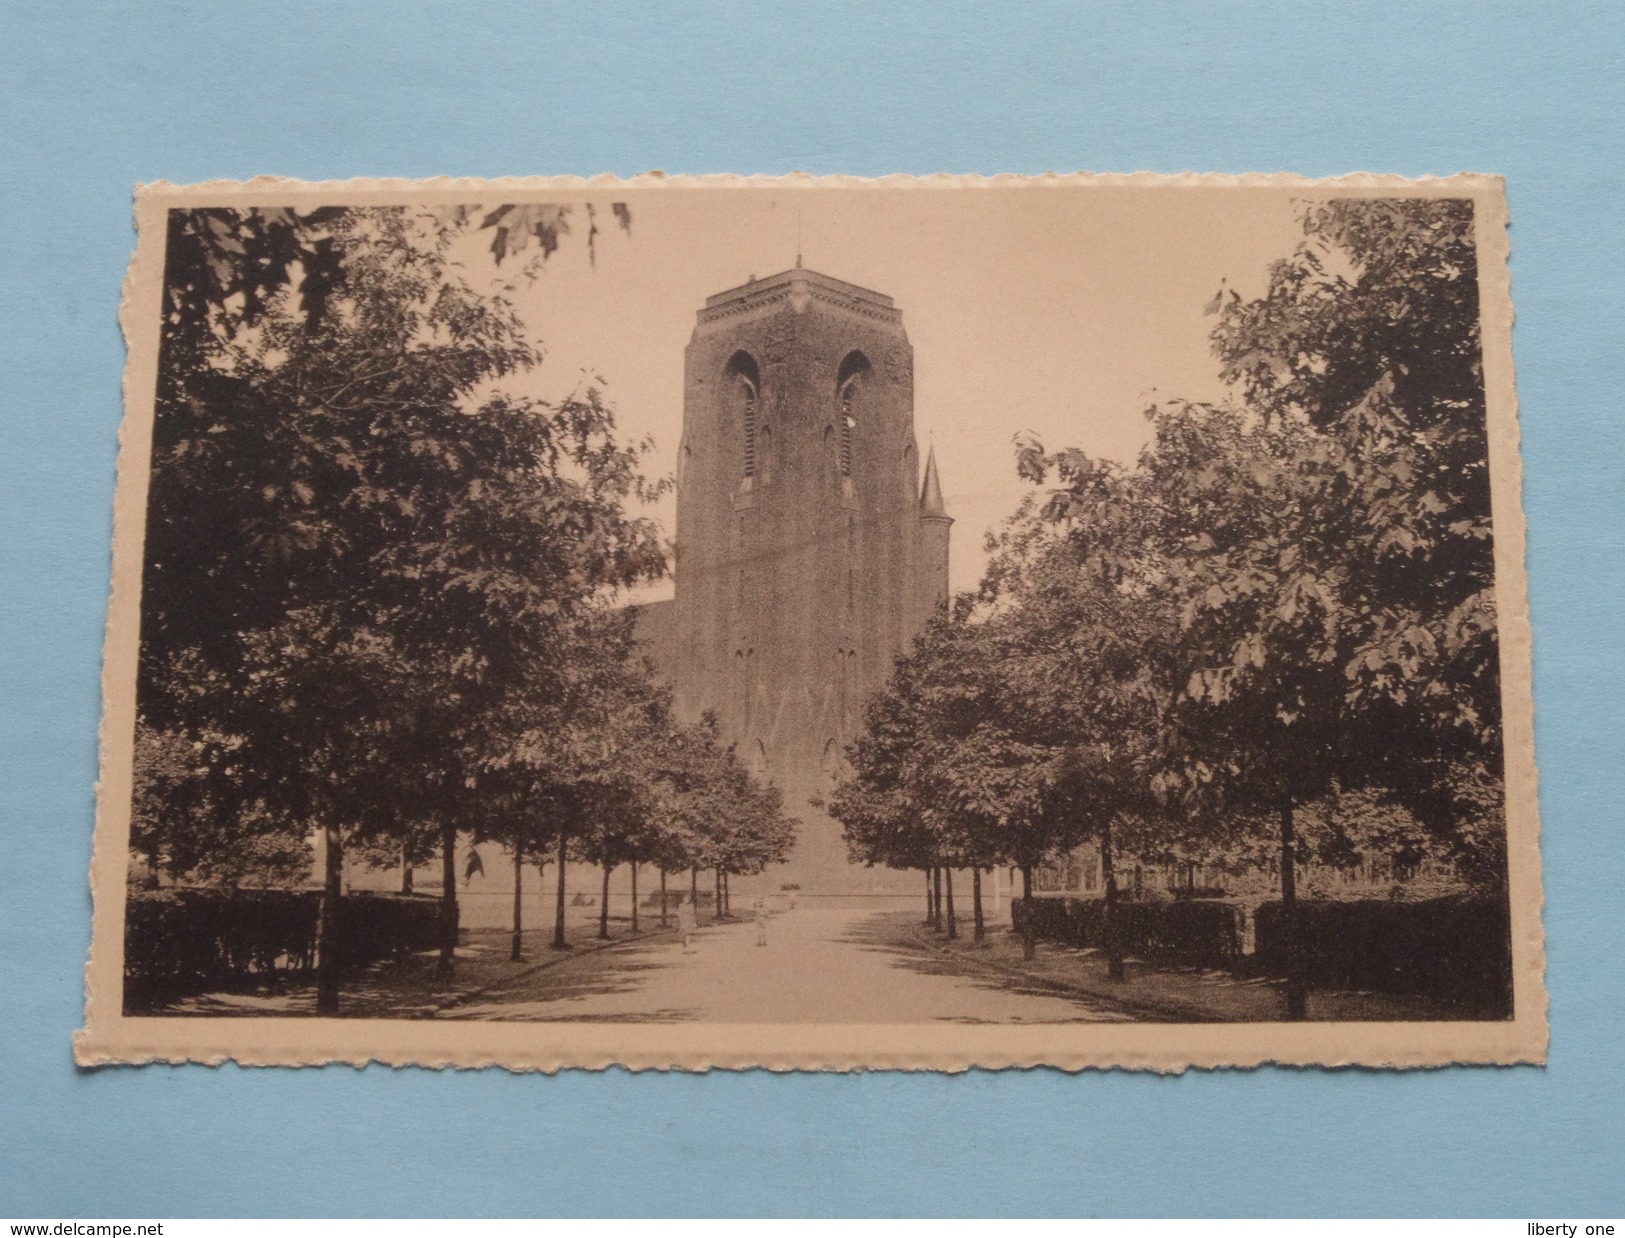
[955, 766]
[754, 831]
[715, 814]
[877, 802]
[1088, 627]
[357, 546]
[1370, 334]
[1326, 544]
[580, 749]
[622, 783]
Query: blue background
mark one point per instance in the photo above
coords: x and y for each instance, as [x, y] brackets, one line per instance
[96, 97]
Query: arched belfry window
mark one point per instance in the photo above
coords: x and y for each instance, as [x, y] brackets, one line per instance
[849, 380]
[742, 386]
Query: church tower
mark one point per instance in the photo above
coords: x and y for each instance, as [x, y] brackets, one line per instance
[809, 555]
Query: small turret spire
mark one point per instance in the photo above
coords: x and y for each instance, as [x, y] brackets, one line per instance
[931, 505]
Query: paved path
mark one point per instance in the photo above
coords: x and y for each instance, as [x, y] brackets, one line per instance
[818, 967]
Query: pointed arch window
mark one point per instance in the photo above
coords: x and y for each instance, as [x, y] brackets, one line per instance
[743, 387]
[848, 381]
[829, 764]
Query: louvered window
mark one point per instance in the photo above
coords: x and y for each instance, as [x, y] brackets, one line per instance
[847, 422]
[741, 396]
[750, 426]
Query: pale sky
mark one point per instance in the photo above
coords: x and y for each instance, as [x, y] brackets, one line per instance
[1061, 310]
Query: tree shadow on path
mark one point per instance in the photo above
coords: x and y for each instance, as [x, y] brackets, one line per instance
[895, 935]
[543, 995]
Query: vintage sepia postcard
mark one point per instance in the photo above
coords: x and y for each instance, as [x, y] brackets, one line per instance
[816, 623]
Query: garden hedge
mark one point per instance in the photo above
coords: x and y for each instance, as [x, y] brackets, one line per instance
[179, 942]
[1187, 932]
[1457, 948]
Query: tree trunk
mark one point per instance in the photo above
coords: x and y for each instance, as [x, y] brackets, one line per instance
[558, 912]
[930, 903]
[406, 868]
[1029, 931]
[936, 889]
[515, 951]
[1295, 997]
[663, 922]
[727, 892]
[1108, 875]
[694, 891]
[541, 877]
[953, 924]
[976, 902]
[151, 881]
[634, 896]
[327, 927]
[448, 901]
[603, 907]
[716, 892]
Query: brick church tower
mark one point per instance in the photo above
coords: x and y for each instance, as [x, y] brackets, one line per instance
[809, 553]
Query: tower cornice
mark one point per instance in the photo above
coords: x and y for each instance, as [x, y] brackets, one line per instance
[797, 288]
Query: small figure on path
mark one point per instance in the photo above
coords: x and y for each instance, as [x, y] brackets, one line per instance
[685, 926]
[759, 908]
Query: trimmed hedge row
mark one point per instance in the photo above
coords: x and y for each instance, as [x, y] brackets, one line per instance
[676, 897]
[1457, 948]
[182, 942]
[1188, 932]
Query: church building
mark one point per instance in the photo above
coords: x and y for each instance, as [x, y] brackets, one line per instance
[809, 552]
